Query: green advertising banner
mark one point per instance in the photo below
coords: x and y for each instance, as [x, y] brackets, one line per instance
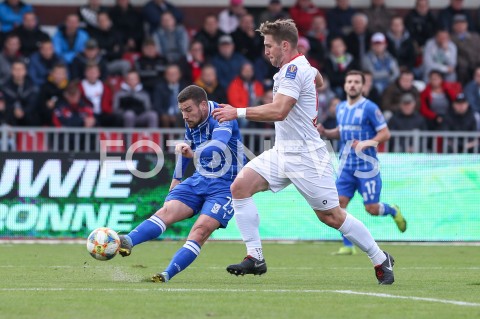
[61, 195]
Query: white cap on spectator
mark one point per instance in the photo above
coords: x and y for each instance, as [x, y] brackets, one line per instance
[378, 38]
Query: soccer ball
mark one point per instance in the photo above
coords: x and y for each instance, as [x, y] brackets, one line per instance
[103, 243]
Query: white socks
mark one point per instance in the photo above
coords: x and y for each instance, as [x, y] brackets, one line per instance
[248, 221]
[357, 233]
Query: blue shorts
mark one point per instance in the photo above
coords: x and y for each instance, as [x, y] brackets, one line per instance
[369, 188]
[208, 196]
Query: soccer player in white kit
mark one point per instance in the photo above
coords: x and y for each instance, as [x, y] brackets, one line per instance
[299, 155]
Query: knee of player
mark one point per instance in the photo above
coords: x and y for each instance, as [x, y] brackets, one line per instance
[236, 189]
[200, 233]
[372, 209]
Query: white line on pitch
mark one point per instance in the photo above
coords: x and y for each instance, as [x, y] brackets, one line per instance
[218, 267]
[282, 291]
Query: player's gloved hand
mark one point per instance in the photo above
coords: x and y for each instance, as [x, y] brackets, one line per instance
[184, 149]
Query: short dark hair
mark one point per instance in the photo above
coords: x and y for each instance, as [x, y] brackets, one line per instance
[280, 30]
[356, 72]
[194, 93]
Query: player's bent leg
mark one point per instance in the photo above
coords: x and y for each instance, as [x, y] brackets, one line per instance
[355, 231]
[171, 212]
[384, 209]
[200, 232]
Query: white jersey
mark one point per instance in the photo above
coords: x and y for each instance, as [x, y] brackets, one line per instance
[297, 80]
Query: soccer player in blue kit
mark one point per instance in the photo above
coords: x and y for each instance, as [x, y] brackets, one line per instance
[218, 150]
[361, 127]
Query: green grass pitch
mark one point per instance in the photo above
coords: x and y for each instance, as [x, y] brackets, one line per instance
[303, 281]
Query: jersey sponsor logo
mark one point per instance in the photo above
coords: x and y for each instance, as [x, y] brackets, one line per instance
[350, 127]
[291, 71]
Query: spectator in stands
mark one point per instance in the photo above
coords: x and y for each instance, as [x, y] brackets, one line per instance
[20, 95]
[42, 62]
[192, 65]
[227, 62]
[435, 100]
[133, 103]
[88, 14]
[273, 12]
[445, 16]
[460, 117]
[264, 71]
[165, 97]
[406, 118]
[29, 34]
[11, 14]
[154, 9]
[129, 24]
[358, 41]
[91, 54]
[421, 23]
[208, 81]
[339, 19]
[171, 38]
[208, 35]
[468, 48]
[10, 53]
[369, 90]
[69, 39]
[5, 119]
[324, 96]
[51, 91]
[302, 13]
[380, 63]
[379, 16]
[393, 94]
[400, 44]
[330, 121]
[244, 91]
[472, 94]
[303, 47]
[110, 44]
[440, 54]
[71, 110]
[150, 66]
[319, 37]
[100, 96]
[229, 18]
[337, 64]
[247, 41]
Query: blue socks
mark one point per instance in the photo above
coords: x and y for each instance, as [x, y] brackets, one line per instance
[346, 242]
[183, 258]
[147, 230]
[385, 209]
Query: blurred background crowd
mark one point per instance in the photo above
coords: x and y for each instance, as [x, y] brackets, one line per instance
[123, 66]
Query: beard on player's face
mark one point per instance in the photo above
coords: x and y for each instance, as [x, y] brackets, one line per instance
[354, 95]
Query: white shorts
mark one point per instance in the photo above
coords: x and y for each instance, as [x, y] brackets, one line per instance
[311, 172]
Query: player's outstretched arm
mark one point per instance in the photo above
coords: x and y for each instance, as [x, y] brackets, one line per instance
[271, 112]
[330, 133]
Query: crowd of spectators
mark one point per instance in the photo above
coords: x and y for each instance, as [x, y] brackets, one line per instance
[123, 66]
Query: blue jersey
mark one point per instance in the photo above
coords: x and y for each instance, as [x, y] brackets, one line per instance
[360, 121]
[218, 148]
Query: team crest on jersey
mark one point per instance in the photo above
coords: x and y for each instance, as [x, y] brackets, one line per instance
[291, 71]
